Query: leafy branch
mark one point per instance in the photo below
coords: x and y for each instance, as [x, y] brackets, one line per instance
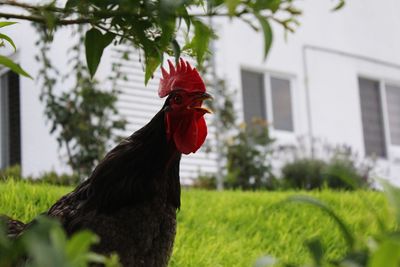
[152, 25]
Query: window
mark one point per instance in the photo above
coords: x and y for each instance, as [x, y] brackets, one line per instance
[10, 129]
[393, 106]
[281, 104]
[276, 107]
[253, 96]
[380, 111]
[372, 119]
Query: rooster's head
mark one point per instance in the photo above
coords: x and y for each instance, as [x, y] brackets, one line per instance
[184, 117]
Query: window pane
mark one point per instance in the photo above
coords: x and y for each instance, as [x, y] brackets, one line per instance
[393, 103]
[371, 111]
[253, 96]
[10, 122]
[281, 104]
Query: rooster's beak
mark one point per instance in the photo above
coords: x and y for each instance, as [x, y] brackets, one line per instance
[198, 101]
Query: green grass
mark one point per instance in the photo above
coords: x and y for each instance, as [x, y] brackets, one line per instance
[235, 228]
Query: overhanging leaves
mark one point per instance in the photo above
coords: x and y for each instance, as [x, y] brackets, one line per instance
[95, 43]
[267, 33]
[9, 40]
[6, 23]
[201, 40]
[5, 61]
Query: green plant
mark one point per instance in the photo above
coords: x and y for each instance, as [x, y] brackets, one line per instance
[50, 177]
[13, 172]
[248, 154]
[203, 181]
[45, 244]
[85, 118]
[338, 168]
[303, 174]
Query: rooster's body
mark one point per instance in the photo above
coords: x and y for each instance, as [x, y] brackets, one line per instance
[131, 198]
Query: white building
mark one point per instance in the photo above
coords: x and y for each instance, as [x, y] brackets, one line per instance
[337, 78]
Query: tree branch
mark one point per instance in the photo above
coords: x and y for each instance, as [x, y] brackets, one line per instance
[43, 20]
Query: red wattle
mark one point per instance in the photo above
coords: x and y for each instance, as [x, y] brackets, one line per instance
[190, 134]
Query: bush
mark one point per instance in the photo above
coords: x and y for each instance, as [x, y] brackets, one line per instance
[248, 154]
[13, 172]
[205, 182]
[50, 177]
[303, 174]
[338, 173]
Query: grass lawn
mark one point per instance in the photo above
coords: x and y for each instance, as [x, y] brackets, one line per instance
[235, 228]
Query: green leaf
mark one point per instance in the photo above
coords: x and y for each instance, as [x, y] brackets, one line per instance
[152, 64]
[80, 243]
[6, 23]
[267, 33]
[5, 61]
[272, 5]
[177, 50]
[339, 5]
[201, 40]
[71, 4]
[8, 39]
[342, 226]
[387, 254]
[232, 5]
[95, 43]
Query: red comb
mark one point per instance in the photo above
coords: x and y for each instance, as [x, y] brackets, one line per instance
[182, 77]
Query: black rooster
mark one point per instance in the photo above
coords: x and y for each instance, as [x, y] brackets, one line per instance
[131, 198]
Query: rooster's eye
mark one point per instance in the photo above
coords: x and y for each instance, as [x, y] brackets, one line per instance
[178, 99]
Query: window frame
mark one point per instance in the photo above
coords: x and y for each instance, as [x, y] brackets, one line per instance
[267, 74]
[383, 82]
[270, 112]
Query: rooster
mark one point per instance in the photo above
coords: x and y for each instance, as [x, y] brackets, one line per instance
[131, 198]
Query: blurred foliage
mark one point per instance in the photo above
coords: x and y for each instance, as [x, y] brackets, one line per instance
[50, 177]
[203, 181]
[151, 25]
[248, 157]
[45, 244]
[338, 168]
[378, 250]
[84, 118]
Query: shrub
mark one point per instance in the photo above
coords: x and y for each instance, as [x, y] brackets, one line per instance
[205, 182]
[50, 177]
[338, 171]
[303, 174]
[343, 174]
[11, 172]
[248, 154]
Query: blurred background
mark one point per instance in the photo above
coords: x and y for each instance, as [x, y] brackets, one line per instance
[326, 101]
